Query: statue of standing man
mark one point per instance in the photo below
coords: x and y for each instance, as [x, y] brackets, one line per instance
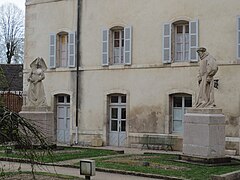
[36, 94]
[208, 68]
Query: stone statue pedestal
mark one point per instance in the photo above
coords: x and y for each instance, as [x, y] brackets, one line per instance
[43, 118]
[204, 136]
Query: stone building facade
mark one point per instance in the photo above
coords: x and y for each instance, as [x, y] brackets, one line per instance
[138, 65]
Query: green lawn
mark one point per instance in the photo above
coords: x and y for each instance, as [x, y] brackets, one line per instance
[163, 164]
[66, 154]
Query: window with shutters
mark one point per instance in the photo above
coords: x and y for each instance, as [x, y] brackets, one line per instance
[116, 46]
[180, 41]
[62, 50]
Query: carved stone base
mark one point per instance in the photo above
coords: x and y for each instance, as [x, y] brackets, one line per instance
[204, 160]
[43, 119]
[204, 133]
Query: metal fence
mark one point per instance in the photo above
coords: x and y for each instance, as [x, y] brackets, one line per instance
[13, 100]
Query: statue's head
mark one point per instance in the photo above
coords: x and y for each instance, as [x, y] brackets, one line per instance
[201, 51]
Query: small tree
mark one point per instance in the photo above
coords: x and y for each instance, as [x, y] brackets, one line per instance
[11, 33]
[17, 130]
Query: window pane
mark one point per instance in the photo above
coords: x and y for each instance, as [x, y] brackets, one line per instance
[187, 29]
[123, 126]
[116, 35]
[68, 99]
[61, 99]
[123, 113]
[114, 113]
[177, 126]
[123, 99]
[177, 102]
[114, 125]
[179, 29]
[188, 101]
[177, 114]
[114, 99]
[116, 43]
[122, 42]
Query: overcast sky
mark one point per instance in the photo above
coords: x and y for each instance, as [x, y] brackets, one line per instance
[19, 3]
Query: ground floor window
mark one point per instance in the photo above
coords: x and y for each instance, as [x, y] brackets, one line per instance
[179, 105]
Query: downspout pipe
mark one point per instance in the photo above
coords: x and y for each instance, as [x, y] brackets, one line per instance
[79, 10]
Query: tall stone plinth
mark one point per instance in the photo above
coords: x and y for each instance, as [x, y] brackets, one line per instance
[204, 133]
[43, 118]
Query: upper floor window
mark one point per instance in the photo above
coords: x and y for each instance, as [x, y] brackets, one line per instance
[62, 50]
[181, 32]
[180, 41]
[116, 46]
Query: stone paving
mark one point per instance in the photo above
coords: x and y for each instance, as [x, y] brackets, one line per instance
[14, 167]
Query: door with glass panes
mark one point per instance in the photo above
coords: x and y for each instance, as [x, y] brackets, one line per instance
[117, 124]
[180, 104]
[63, 119]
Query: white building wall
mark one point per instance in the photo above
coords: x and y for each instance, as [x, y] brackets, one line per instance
[147, 82]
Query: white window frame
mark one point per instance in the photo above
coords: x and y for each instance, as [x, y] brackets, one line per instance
[121, 47]
[183, 51]
[183, 108]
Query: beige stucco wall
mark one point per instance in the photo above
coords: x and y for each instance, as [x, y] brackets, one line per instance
[147, 82]
[217, 26]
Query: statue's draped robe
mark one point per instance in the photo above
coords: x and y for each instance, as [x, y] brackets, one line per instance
[208, 68]
[36, 94]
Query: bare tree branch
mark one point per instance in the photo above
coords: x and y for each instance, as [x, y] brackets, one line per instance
[11, 33]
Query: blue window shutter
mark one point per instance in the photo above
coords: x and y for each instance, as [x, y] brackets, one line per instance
[71, 49]
[193, 41]
[127, 45]
[238, 37]
[52, 51]
[166, 43]
[105, 47]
